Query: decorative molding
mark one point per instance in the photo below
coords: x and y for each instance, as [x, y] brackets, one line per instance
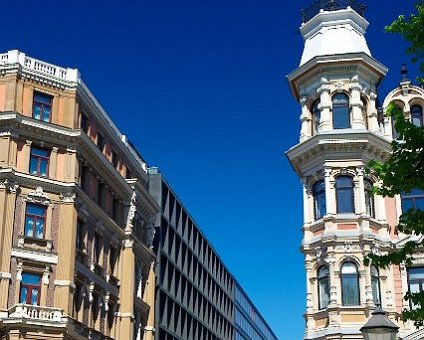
[128, 243]
[10, 186]
[38, 196]
[68, 197]
[34, 256]
[64, 283]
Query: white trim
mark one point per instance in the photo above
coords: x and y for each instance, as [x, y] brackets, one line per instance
[34, 256]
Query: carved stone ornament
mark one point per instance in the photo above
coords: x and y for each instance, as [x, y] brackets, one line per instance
[330, 260]
[9, 185]
[150, 234]
[132, 210]
[19, 272]
[309, 303]
[46, 276]
[68, 197]
[38, 196]
[318, 252]
[376, 249]
[128, 243]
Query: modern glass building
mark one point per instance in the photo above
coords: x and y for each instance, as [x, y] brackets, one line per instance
[196, 296]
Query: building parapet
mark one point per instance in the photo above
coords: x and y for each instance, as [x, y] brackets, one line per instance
[38, 66]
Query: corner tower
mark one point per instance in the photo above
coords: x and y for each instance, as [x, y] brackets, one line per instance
[336, 87]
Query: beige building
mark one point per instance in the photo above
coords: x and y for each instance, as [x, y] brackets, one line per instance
[342, 129]
[76, 218]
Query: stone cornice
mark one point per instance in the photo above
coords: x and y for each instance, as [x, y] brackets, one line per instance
[31, 181]
[16, 62]
[334, 145]
[335, 63]
[39, 71]
[146, 203]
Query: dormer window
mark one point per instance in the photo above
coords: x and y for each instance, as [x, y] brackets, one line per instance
[341, 114]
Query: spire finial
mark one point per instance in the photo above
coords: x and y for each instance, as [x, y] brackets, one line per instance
[404, 72]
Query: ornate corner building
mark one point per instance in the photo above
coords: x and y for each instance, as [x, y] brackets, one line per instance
[342, 129]
[94, 244]
[76, 217]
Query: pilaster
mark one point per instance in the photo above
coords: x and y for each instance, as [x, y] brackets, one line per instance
[7, 211]
[66, 257]
[126, 298]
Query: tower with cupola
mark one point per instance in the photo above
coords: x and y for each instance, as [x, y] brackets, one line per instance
[341, 131]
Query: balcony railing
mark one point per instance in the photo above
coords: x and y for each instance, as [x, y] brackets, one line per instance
[40, 67]
[23, 311]
[331, 5]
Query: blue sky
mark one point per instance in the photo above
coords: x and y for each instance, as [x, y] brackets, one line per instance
[199, 87]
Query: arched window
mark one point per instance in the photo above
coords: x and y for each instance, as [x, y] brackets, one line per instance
[413, 199]
[323, 287]
[369, 198]
[350, 284]
[341, 114]
[319, 199]
[316, 116]
[417, 115]
[344, 194]
[375, 285]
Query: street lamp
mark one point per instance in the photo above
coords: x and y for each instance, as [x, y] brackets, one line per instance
[379, 327]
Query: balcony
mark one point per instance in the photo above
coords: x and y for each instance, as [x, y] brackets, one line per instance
[37, 315]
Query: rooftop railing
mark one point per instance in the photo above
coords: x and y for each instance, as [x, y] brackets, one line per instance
[331, 5]
[41, 67]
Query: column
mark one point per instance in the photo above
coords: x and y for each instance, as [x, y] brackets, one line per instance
[305, 119]
[7, 211]
[26, 155]
[373, 115]
[356, 104]
[71, 165]
[330, 196]
[126, 298]
[325, 106]
[53, 163]
[149, 330]
[360, 207]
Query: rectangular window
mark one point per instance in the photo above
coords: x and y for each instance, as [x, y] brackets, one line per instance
[30, 289]
[39, 162]
[35, 220]
[415, 281]
[100, 142]
[42, 106]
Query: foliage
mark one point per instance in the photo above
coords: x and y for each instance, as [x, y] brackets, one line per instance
[404, 170]
[412, 30]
